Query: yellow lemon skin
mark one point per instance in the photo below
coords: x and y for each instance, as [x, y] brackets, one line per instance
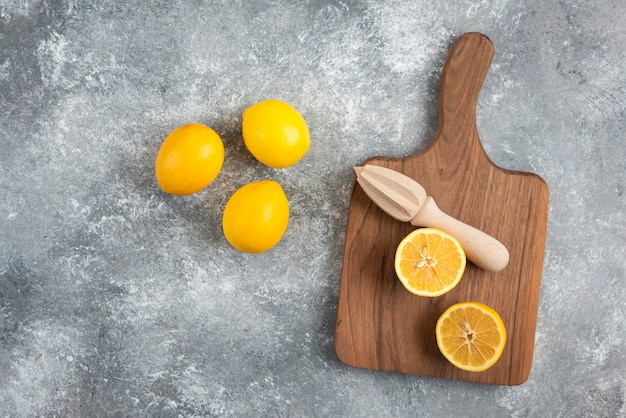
[256, 216]
[275, 133]
[189, 159]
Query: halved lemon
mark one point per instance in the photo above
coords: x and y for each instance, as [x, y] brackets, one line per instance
[471, 335]
[429, 262]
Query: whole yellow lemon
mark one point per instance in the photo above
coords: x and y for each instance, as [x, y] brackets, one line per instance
[256, 216]
[275, 133]
[189, 159]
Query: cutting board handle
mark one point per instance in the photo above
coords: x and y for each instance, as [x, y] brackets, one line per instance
[463, 74]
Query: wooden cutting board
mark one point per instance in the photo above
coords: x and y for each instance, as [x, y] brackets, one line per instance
[380, 325]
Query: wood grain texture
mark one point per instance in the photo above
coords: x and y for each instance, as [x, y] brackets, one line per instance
[380, 325]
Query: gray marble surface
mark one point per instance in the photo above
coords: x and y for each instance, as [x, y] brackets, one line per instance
[117, 299]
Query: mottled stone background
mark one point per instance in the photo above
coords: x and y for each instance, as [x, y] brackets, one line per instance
[117, 299]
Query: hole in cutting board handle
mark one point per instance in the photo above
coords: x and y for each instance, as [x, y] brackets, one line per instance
[464, 72]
